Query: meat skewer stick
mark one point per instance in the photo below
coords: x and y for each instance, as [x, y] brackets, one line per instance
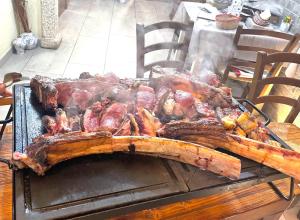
[283, 160]
[46, 151]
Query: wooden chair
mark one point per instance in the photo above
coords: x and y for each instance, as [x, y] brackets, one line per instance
[259, 83]
[256, 97]
[248, 65]
[142, 30]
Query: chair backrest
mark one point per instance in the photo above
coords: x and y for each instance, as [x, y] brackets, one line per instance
[142, 30]
[292, 40]
[259, 83]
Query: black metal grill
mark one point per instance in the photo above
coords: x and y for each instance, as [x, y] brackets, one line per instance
[101, 186]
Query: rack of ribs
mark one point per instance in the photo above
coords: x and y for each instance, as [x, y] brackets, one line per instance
[105, 114]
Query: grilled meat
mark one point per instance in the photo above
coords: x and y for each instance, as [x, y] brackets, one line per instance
[202, 126]
[57, 124]
[147, 123]
[145, 98]
[212, 95]
[112, 117]
[92, 116]
[79, 93]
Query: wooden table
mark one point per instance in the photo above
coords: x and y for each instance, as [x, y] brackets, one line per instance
[249, 203]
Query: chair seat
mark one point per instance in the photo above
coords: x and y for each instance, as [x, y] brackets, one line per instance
[244, 77]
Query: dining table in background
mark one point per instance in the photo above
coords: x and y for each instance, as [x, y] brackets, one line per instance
[208, 40]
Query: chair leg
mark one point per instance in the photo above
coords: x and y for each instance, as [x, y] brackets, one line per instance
[225, 75]
[6, 121]
[174, 9]
[246, 91]
[280, 194]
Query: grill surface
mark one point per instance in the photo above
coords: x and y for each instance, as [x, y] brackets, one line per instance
[99, 186]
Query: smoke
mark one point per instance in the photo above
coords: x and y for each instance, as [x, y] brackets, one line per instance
[211, 52]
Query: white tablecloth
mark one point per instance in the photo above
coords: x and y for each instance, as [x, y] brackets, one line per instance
[211, 47]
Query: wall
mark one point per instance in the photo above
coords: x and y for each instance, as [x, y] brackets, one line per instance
[33, 8]
[292, 8]
[8, 29]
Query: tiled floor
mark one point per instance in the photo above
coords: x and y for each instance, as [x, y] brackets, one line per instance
[98, 36]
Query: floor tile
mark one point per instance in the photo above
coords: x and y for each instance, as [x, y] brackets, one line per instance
[101, 11]
[89, 50]
[80, 6]
[121, 48]
[73, 70]
[16, 62]
[163, 7]
[145, 6]
[31, 73]
[71, 18]
[124, 26]
[96, 27]
[70, 25]
[50, 61]
[154, 37]
[155, 56]
[146, 18]
[123, 10]
[121, 68]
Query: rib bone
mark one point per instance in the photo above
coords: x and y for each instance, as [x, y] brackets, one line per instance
[46, 151]
[283, 160]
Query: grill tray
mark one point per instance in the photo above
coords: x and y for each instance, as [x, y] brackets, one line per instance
[102, 186]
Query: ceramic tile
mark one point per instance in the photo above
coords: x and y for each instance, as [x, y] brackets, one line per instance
[70, 35]
[50, 61]
[156, 56]
[89, 50]
[154, 37]
[95, 3]
[16, 62]
[145, 6]
[121, 48]
[163, 7]
[80, 6]
[73, 70]
[123, 10]
[124, 26]
[71, 18]
[146, 18]
[162, 15]
[70, 25]
[31, 73]
[121, 68]
[96, 27]
[101, 11]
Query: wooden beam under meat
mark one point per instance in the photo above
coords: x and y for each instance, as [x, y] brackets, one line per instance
[283, 160]
[47, 151]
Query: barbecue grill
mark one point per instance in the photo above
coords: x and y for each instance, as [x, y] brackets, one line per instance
[102, 186]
